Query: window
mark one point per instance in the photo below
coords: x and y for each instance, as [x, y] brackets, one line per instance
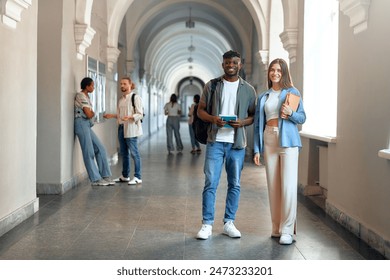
[320, 67]
[96, 70]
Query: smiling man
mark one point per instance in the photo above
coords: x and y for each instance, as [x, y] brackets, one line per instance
[234, 98]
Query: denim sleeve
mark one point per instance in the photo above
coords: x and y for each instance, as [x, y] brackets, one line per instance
[256, 135]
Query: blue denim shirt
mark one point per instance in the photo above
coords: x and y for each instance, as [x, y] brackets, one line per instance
[288, 129]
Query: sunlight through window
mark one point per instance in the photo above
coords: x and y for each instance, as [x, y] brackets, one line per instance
[320, 67]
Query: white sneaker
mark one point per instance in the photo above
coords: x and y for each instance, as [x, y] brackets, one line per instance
[205, 232]
[230, 230]
[286, 239]
[135, 181]
[122, 179]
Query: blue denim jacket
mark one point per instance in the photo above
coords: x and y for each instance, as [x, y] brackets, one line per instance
[288, 130]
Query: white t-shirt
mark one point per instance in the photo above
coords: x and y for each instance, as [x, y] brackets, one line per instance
[173, 110]
[228, 106]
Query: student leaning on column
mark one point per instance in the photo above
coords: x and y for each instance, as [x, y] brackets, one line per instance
[91, 146]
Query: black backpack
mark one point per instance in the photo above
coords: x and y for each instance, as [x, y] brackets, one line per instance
[132, 102]
[201, 127]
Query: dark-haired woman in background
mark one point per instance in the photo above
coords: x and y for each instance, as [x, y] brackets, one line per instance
[91, 147]
[173, 110]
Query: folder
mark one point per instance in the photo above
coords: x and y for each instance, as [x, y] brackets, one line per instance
[292, 100]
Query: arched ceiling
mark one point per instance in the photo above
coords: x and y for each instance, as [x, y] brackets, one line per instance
[158, 40]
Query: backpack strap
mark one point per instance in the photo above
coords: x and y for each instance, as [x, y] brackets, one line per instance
[213, 88]
[132, 101]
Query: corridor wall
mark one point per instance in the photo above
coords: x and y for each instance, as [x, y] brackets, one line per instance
[18, 124]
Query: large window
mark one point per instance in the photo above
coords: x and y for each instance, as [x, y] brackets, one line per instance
[320, 66]
[96, 70]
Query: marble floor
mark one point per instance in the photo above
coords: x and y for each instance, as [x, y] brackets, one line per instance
[159, 219]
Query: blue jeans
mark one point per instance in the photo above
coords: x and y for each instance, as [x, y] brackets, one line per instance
[216, 154]
[129, 147]
[92, 149]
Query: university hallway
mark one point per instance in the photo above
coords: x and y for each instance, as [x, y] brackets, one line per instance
[159, 219]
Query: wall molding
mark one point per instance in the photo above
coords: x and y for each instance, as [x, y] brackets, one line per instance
[11, 11]
[17, 217]
[372, 238]
[289, 39]
[357, 11]
[112, 57]
[83, 34]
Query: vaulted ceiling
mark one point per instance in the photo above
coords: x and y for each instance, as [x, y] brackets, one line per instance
[163, 44]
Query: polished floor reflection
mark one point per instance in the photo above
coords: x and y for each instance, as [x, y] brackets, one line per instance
[160, 218]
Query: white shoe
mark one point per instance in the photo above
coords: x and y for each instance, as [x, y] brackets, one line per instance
[230, 230]
[122, 179]
[135, 181]
[205, 232]
[286, 239]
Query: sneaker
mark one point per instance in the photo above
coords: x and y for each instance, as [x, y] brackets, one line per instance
[230, 230]
[122, 179]
[205, 232]
[100, 182]
[135, 181]
[286, 239]
[109, 181]
[275, 235]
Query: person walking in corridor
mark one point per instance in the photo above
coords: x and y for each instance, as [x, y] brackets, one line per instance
[172, 109]
[231, 96]
[129, 115]
[276, 137]
[91, 147]
[194, 143]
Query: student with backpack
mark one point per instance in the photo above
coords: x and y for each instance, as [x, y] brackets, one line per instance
[129, 129]
[231, 96]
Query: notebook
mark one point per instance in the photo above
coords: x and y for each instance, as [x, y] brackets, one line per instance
[292, 100]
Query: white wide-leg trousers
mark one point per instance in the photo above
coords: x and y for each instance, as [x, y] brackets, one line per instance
[282, 177]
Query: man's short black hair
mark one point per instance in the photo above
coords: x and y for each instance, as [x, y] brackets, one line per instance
[231, 54]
